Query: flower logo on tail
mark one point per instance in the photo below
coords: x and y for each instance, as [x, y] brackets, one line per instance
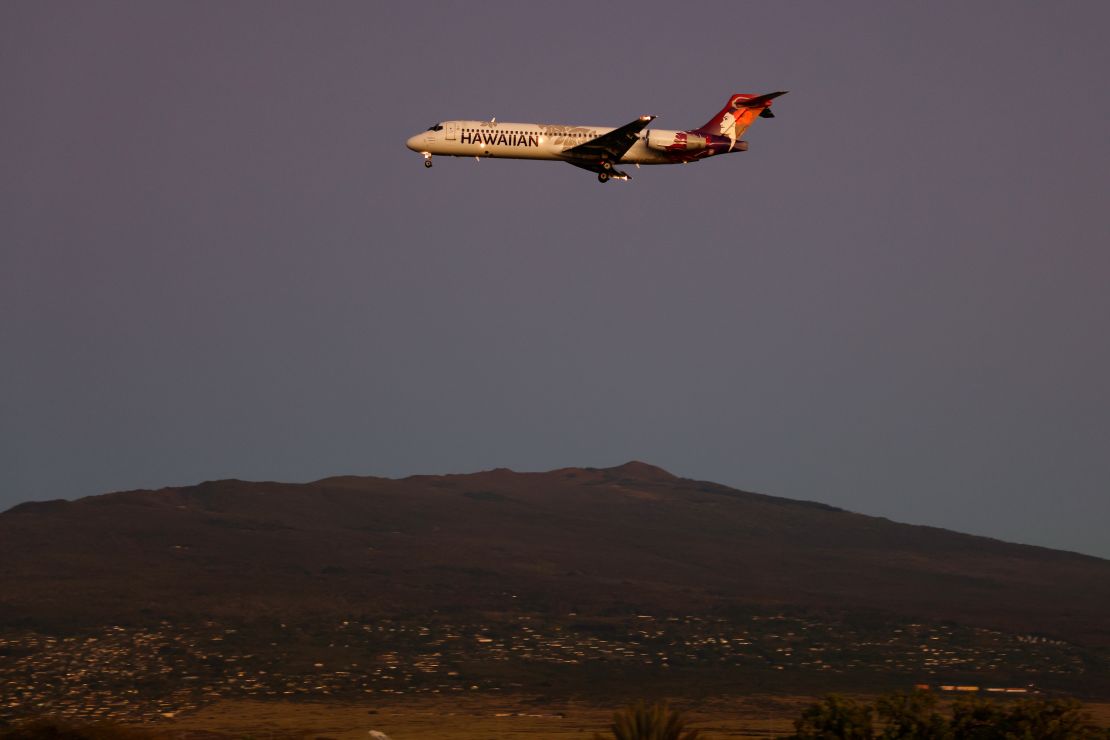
[728, 128]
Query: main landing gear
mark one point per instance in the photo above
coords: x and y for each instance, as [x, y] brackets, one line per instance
[603, 177]
[427, 160]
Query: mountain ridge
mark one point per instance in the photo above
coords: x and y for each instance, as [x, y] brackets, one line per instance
[595, 539]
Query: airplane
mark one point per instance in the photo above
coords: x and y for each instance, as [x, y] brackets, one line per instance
[597, 148]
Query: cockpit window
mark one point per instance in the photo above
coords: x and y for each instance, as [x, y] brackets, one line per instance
[437, 127]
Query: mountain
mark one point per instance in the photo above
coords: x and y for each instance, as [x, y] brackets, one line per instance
[592, 541]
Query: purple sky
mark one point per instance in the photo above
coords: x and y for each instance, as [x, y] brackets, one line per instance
[217, 258]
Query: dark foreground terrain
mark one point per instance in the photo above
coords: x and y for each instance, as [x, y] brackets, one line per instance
[747, 717]
[574, 585]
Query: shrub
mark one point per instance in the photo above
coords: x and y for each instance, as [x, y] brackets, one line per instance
[655, 721]
[835, 717]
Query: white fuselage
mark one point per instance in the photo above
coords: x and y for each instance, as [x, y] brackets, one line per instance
[523, 141]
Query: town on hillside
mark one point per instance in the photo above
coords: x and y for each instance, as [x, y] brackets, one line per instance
[128, 673]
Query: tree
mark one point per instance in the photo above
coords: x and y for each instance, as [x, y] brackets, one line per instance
[657, 721]
[975, 718]
[912, 716]
[835, 718]
[1048, 719]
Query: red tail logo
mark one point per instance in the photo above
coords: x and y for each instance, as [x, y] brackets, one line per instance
[739, 112]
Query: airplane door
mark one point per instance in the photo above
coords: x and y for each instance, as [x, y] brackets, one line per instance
[452, 128]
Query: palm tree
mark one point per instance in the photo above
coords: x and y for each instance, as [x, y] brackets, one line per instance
[656, 721]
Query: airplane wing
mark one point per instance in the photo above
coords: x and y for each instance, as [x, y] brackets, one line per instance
[595, 154]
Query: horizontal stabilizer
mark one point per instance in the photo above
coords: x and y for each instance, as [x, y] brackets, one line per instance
[760, 100]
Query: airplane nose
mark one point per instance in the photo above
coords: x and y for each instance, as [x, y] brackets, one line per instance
[414, 142]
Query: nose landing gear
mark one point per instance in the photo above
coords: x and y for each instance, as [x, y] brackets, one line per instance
[427, 159]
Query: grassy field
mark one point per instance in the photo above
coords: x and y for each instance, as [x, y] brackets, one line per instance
[480, 718]
[468, 718]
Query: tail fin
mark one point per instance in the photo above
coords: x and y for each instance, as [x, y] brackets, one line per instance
[733, 120]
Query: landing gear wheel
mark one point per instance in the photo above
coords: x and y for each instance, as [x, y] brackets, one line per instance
[428, 162]
[603, 177]
[606, 165]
